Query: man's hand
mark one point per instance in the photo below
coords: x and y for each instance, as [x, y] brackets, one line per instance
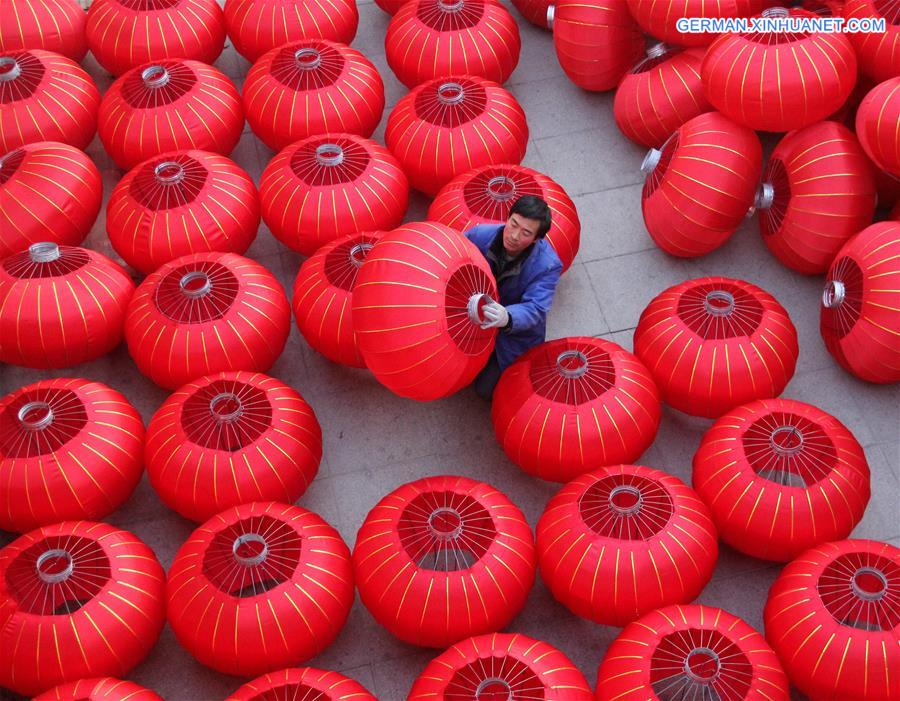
[495, 316]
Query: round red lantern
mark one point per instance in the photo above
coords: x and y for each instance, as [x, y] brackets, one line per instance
[487, 194]
[596, 41]
[660, 19]
[700, 184]
[715, 343]
[123, 34]
[302, 684]
[876, 125]
[859, 322]
[69, 449]
[102, 689]
[817, 191]
[430, 39]
[50, 25]
[169, 106]
[60, 306]
[417, 311]
[45, 97]
[90, 590]
[323, 296]
[443, 558]
[570, 405]
[206, 313]
[259, 587]
[785, 80]
[232, 438]
[781, 476]
[691, 652]
[535, 11]
[878, 53]
[501, 666]
[179, 203]
[48, 192]
[312, 87]
[258, 26]
[833, 617]
[331, 185]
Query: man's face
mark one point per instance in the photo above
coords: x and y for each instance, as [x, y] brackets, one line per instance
[519, 233]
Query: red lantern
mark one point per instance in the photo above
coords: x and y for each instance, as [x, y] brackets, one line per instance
[859, 322]
[430, 39]
[323, 295]
[448, 126]
[779, 82]
[876, 125]
[487, 194]
[817, 192]
[691, 652]
[568, 406]
[232, 438]
[700, 185]
[833, 617]
[260, 587]
[69, 450]
[312, 87]
[102, 689]
[331, 185]
[781, 476]
[501, 666]
[179, 203]
[878, 52]
[45, 97]
[715, 343]
[596, 41]
[659, 18]
[659, 94]
[50, 25]
[258, 26]
[206, 313]
[305, 683]
[123, 34]
[60, 306]
[443, 558]
[48, 192]
[169, 106]
[417, 311]
[87, 589]
[535, 11]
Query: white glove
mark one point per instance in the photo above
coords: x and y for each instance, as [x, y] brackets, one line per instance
[495, 316]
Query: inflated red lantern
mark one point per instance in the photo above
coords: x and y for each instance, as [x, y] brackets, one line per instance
[260, 587]
[659, 18]
[878, 53]
[430, 39]
[417, 311]
[620, 541]
[69, 450]
[833, 617]
[232, 438]
[102, 689]
[502, 667]
[169, 106]
[781, 476]
[691, 652]
[571, 405]
[596, 41]
[60, 306]
[257, 26]
[92, 591]
[312, 87]
[779, 81]
[206, 313]
[331, 185]
[45, 97]
[487, 194]
[444, 558]
[859, 320]
[50, 25]
[123, 34]
[302, 684]
[817, 191]
[323, 295]
[876, 125]
[700, 184]
[178, 203]
[659, 94]
[715, 343]
[48, 192]
[448, 126]
[535, 11]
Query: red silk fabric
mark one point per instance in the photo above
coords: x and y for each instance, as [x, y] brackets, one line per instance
[878, 53]
[299, 684]
[51, 25]
[102, 689]
[876, 125]
[659, 17]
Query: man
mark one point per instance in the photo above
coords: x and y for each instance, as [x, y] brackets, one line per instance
[527, 270]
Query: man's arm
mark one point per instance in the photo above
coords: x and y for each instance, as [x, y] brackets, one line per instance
[536, 301]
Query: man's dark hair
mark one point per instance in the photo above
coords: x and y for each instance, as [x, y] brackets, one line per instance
[533, 207]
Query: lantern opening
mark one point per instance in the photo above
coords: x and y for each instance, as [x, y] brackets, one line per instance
[450, 15]
[9, 163]
[842, 297]
[626, 507]
[789, 449]
[9, 68]
[329, 155]
[155, 77]
[699, 664]
[464, 302]
[493, 689]
[501, 188]
[35, 416]
[44, 422]
[862, 590]
[197, 292]
[702, 665]
[625, 500]
[307, 58]
[656, 163]
[43, 252]
[169, 173]
[572, 364]
[226, 415]
[494, 678]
